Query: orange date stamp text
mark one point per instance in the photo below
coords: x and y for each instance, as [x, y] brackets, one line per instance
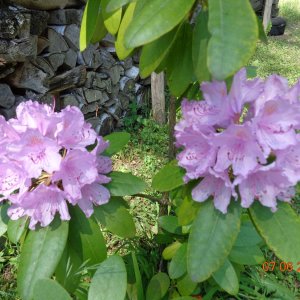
[270, 266]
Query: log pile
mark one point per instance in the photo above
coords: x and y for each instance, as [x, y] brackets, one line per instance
[40, 58]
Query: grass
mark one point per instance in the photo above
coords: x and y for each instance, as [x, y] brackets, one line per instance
[281, 54]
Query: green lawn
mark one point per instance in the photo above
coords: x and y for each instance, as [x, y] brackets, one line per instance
[282, 53]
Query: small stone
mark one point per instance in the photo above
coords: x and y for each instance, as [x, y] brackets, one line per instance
[70, 58]
[65, 17]
[70, 100]
[92, 95]
[72, 33]
[133, 72]
[7, 98]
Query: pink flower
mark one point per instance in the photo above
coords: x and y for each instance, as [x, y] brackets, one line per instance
[36, 152]
[266, 184]
[12, 178]
[239, 134]
[72, 131]
[46, 164]
[77, 169]
[217, 186]
[239, 149]
[40, 205]
[93, 193]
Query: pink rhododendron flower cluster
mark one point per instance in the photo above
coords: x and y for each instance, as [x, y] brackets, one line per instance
[45, 163]
[243, 142]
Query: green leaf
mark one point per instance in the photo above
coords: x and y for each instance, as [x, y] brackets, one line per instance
[248, 235]
[111, 19]
[109, 281]
[48, 289]
[89, 22]
[86, 238]
[153, 53]
[116, 4]
[234, 33]
[121, 49]
[170, 224]
[117, 141]
[155, 19]
[178, 266]
[116, 218]
[138, 278]
[67, 272]
[211, 239]
[15, 229]
[185, 285]
[226, 278]
[158, 286]
[125, 184]
[40, 255]
[280, 230]
[261, 31]
[201, 37]
[187, 211]
[100, 30]
[171, 250]
[4, 219]
[181, 75]
[168, 178]
[250, 255]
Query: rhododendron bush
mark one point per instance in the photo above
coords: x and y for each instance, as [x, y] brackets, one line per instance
[227, 193]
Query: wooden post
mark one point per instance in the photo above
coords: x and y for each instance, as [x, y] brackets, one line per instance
[158, 97]
[267, 13]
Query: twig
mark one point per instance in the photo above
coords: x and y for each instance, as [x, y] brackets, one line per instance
[153, 199]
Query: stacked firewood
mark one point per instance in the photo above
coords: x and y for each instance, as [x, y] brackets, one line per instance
[40, 58]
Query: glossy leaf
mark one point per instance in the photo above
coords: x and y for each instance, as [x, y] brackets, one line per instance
[178, 266]
[116, 4]
[158, 286]
[187, 211]
[48, 289]
[168, 178]
[40, 255]
[234, 33]
[4, 219]
[153, 53]
[226, 278]
[67, 272]
[117, 141]
[121, 49]
[181, 75]
[201, 37]
[125, 184]
[211, 239]
[262, 34]
[185, 285]
[155, 19]
[116, 218]
[109, 281]
[171, 250]
[16, 228]
[86, 238]
[280, 230]
[138, 278]
[248, 235]
[111, 19]
[170, 224]
[88, 23]
[100, 30]
[250, 255]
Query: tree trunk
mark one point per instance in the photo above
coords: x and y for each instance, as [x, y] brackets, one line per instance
[158, 97]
